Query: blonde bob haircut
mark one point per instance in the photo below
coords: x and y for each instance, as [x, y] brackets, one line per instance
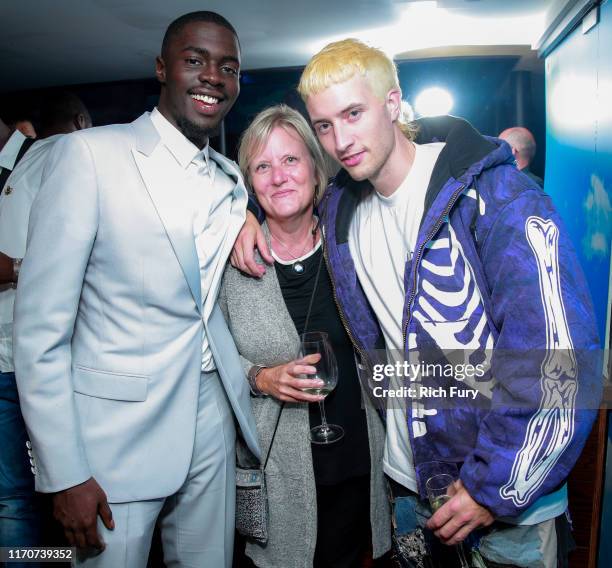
[256, 135]
[340, 61]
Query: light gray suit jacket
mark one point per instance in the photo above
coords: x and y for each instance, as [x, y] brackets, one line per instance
[109, 317]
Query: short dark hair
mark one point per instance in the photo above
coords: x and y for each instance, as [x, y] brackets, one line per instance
[202, 16]
[60, 107]
[18, 107]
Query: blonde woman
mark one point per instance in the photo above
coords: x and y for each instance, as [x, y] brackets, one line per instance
[325, 502]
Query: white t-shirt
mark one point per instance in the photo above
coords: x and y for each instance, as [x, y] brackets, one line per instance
[15, 204]
[382, 237]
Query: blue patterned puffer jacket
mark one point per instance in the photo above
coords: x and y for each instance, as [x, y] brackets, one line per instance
[494, 279]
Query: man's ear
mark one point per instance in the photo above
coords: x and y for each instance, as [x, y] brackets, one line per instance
[79, 121]
[393, 102]
[160, 69]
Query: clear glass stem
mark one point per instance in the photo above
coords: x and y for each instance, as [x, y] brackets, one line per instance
[324, 425]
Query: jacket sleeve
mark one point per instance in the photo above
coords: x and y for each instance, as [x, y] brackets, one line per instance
[62, 229]
[545, 361]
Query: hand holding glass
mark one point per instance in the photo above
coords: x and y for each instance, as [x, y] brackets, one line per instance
[440, 487]
[327, 373]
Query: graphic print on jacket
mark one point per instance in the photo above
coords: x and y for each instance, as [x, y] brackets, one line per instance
[551, 428]
[451, 311]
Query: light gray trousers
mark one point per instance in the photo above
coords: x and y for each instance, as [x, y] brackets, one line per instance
[197, 522]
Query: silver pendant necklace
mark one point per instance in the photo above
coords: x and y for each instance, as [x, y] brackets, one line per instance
[297, 266]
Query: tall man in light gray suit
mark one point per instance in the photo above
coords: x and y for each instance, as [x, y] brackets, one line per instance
[128, 378]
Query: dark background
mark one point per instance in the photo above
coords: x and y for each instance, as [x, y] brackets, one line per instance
[487, 91]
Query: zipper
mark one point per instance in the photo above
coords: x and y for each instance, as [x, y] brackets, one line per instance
[417, 259]
[356, 343]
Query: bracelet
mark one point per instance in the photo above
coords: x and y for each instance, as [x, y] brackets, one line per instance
[252, 379]
[16, 268]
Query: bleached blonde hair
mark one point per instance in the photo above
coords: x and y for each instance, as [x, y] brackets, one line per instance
[340, 61]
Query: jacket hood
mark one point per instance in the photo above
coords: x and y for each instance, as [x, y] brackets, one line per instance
[466, 154]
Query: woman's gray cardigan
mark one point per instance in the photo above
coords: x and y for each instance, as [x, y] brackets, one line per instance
[265, 335]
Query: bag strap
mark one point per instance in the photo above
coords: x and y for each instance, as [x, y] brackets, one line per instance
[312, 296]
[6, 172]
[25, 146]
[273, 436]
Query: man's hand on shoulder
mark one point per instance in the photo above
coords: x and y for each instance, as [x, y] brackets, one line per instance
[77, 509]
[250, 237]
[458, 517]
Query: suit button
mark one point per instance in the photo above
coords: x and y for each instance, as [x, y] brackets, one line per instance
[28, 444]
[34, 470]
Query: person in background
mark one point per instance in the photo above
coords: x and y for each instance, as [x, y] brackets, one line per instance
[19, 114]
[523, 146]
[438, 245]
[19, 512]
[321, 498]
[62, 112]
[129, 381]
[12, 143]
[26, 128]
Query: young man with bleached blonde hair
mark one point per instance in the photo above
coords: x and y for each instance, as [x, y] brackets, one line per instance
[441, 251]
[340, 61]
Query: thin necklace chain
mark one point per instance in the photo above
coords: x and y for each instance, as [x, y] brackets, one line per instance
[312, 231]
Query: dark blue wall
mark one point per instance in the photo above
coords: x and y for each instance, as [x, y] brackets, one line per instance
[579, 149]
[579, 177]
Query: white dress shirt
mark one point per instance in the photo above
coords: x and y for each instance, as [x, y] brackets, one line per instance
[15, 204]
[211, 192]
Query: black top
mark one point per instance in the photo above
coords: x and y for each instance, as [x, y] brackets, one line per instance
[350, 456]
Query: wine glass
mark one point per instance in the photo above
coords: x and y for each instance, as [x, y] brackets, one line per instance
[440, 487]
[327, 372]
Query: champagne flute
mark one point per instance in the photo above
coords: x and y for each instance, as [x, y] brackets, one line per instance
[327, 372]
[440, 487]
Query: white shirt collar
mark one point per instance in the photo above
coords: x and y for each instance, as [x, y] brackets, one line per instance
[8, 154]
[183, 150]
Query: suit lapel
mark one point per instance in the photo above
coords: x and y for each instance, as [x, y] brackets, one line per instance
[158, 170]
[234, 223]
